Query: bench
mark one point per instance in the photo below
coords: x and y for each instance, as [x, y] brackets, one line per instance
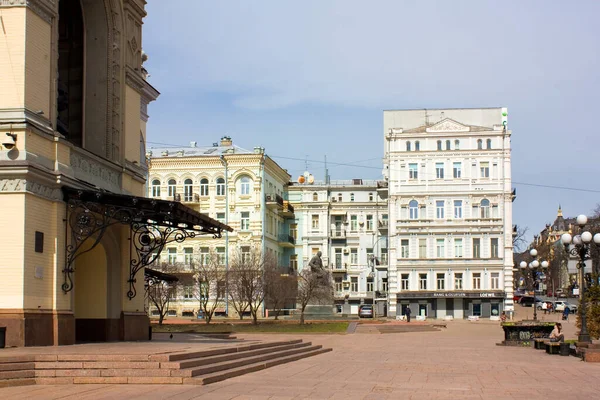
[552, 347]
[540, 344]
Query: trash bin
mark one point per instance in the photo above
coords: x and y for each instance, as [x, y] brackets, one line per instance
[2, 337]
[565, 349]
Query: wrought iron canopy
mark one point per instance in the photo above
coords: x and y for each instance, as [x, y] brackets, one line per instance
[154, 275]
[153, 223]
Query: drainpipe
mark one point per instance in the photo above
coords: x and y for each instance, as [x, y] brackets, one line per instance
[224, 162]
[263, 206]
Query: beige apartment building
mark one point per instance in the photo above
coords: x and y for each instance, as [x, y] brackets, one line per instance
[75, 236]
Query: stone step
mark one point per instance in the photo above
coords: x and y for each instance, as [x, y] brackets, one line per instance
[246, 369]
[226, 350]
[195, 362]
[18, 374]
[16, 382]
[70, 365]
[16, 366]
[232, 364]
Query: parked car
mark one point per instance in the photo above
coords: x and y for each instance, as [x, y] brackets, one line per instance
[365, 311]
[527, 301]
[561, 305]
[540, 302]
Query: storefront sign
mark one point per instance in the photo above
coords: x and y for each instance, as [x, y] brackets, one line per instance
[465, 294]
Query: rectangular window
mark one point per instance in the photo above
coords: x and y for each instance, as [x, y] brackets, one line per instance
[404, 248]
[458, 281]
[354, 256]
[369, 284]
[203, 255]
[338, 284]
[458, 211]
[476, 280]
[220, 187]
[439, 209]
[412, 171]
[457, 170]
[338, 258]
[245, 254]
[484, 168]
[188, 254]
[422, 248]
[423, 281]
[294, 262]
[439, 247]
[354, 284]
[441, 281]
[354, 223]
[369, 222]
[221, 217]
[384, 285]
[188, 292]
[439, 170]
[495, 284]
[245, 221]
[172, 255]
[476, 309]
[458, 247]
[221, 255]
[369, 255]
[494, 247]
[384, 256]
[315, 222]
[476, 248]
[405, 282]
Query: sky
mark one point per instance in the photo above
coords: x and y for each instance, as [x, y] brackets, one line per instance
[309, 80]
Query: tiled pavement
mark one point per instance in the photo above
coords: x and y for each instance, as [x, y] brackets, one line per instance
[459, 362]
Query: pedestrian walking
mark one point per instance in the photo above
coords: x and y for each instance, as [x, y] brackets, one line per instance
[545, 307]
[503, 317]
[407, 313]
[566, 313]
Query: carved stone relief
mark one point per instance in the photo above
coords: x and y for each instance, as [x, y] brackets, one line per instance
[22, 185]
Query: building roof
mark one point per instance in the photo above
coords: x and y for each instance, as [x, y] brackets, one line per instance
[225, 146]
[338, 183]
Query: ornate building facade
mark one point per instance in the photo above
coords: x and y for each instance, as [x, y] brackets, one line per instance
[450, 212]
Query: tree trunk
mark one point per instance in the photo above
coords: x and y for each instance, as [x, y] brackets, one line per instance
[254, 316]
[161, 316]
[302, 315]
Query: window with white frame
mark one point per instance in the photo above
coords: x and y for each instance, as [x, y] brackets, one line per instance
[245, 221]
[458, 281]
[404, 248]
[476, 248]
[351, 196]
[439, 145]
[354, 284]
[479, 144]
[338, 284]
[354, 223]
[172, 255]
[417, 146]
[221, 217]
[384, 255]
[369, 255]
[188, 292]
[439, 170]
[220, 187]
[457, 169]
[423, 281]
[458, 248]
[489, 144]
[245, 185]
[495, 280]
[172, 187]
[204, 255]
[476, 280]
[340, 197]
[440, 248]
[315, 222]
[484, 168]
[315, 196]
[221, 255]
[439, 209]
[441, 281]
[245, 250]
[155, 188]
[294, 262]
[188, 255]
[407, 146]
[494, 247]
[369, 284]
[485, 208]
[187, 190]
[204, 187]
[384, 284]
[370, 196]
[405, 282]
[458, 209]
[422, 249]
[447, 145]
[369, 222]
[294, 231]
[353, 256]
[413, 209]
[457, 144]
[413, 172]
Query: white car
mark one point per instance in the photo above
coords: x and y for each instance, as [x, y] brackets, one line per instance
[560, 306]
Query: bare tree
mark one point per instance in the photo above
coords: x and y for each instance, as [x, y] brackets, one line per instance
[235, 289]
[209, 282]
[519, 240]
[247, 271]
[313, 286]
[160, 291]
[280, 288]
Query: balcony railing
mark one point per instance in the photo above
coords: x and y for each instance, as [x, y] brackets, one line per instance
[283, 238]
[338, 233]
[287, 207]
[274, 199]
[383, 224]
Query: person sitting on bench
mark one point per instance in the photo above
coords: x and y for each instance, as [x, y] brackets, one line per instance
[557, 335]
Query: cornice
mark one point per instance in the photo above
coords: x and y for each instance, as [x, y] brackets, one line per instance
[45, 9]
[19, 185]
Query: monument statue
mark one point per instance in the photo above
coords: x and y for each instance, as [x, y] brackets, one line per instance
[316, 264]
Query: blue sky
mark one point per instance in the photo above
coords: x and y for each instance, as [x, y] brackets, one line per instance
[309, 79]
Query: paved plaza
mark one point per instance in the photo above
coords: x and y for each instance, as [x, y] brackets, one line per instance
[461, 361]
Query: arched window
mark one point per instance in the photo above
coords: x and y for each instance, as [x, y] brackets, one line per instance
[156, 188]
[407, 146]
[172, 187]
[413, 208]
[220, 187]
[479, 144]
[417, 146]
[203, 187]
[315, 196]
[489, 144]
[457, 144]
[439, 145]
[187, 190]
[485, 208]
[245, 186]
[339, 197]
[447, 145]
[351, 196]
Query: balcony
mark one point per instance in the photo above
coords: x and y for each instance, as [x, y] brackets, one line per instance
[286, 240]
[338, 234]
[274, 201]
[288, 210]
[339, 268]
[383, 225]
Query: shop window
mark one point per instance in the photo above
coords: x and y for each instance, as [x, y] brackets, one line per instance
[423, 310]
[172, 313]
[477, 309]
[495, 309]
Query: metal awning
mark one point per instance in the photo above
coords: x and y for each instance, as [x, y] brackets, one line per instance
[153, 223]
[161, 276]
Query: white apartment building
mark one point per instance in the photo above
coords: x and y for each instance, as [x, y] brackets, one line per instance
[241, 188]
[347, 222]
[450, 212]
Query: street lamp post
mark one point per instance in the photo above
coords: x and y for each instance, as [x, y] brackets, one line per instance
[579, 246]
[533, 266]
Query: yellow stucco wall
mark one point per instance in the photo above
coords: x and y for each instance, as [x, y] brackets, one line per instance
[90, 284]
[137, 303]
[12, 62]
[37, 63]
[132, 124]
[12, 239]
